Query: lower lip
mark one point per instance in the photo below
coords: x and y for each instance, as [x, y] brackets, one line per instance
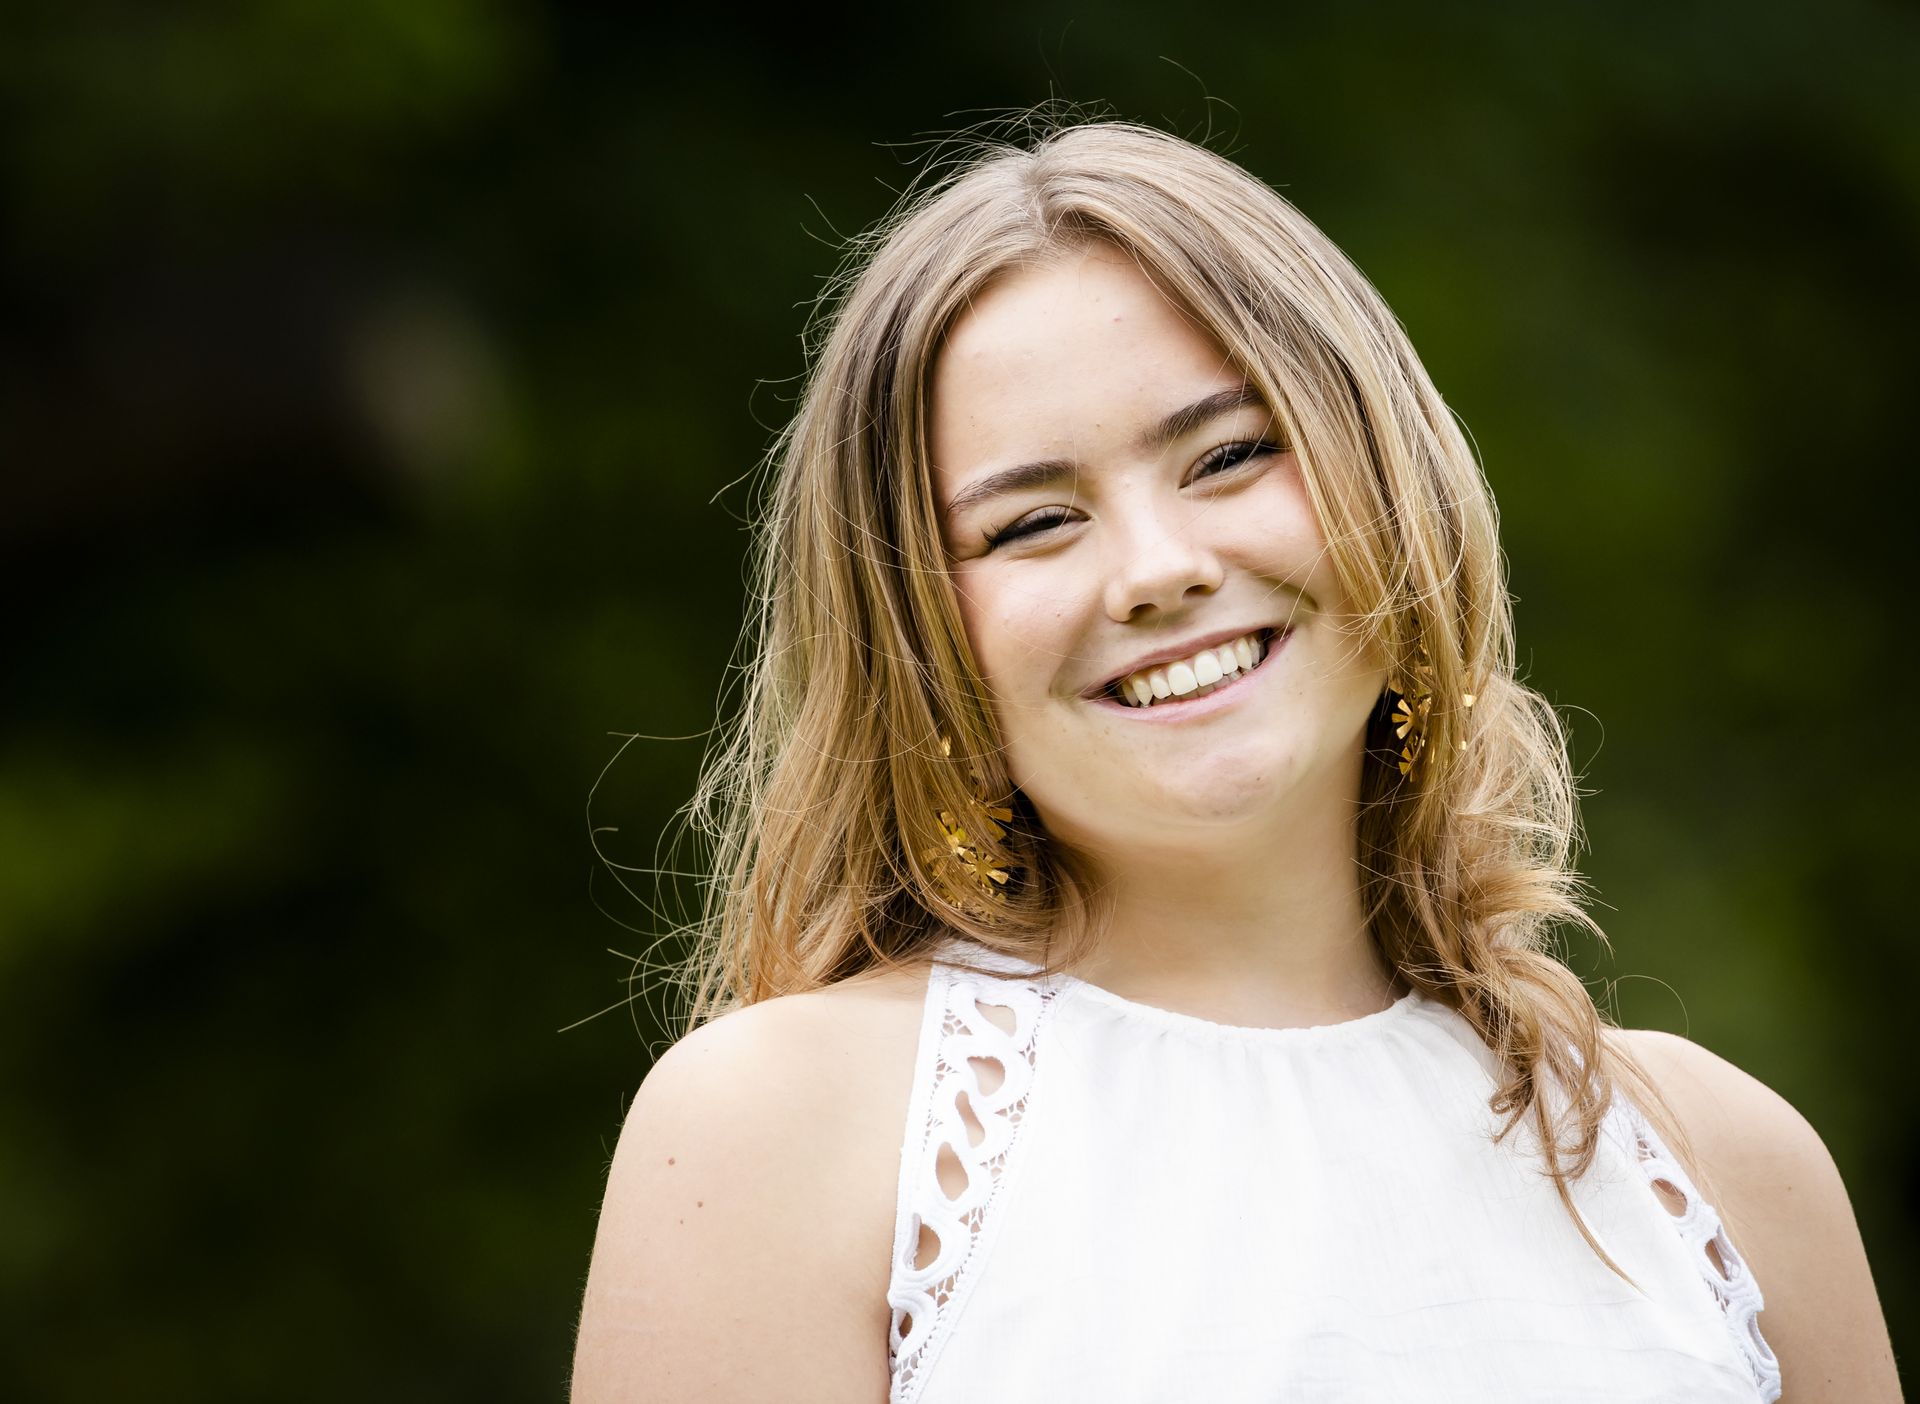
[1193, 708]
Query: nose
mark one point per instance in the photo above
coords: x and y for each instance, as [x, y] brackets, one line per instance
[1160, 566]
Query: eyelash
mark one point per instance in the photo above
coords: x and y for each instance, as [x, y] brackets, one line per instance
[1036, 522]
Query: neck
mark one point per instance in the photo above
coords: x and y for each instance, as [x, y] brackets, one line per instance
[1270, 931]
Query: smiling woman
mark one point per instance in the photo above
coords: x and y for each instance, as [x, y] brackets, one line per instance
[1126, 973]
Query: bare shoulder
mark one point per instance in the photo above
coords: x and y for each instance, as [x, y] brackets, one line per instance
[744, 1242]
[1785, 1207]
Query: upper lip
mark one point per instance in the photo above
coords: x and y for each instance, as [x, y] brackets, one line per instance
[1173, 653]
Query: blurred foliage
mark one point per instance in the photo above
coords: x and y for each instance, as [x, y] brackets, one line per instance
[379, 387]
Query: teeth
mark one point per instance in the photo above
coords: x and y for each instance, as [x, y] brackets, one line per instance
[1195, 676]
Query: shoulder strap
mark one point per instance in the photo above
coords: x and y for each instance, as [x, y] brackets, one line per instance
[972, 1075]
[1718, 1261]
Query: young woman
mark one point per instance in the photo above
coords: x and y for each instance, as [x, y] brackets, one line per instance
[1137, 866]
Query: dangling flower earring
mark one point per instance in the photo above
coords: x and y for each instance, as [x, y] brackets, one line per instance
[968, 845]
[1413, 704]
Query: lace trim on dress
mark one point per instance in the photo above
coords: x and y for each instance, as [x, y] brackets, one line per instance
[1719, 1262]
[970, 1107]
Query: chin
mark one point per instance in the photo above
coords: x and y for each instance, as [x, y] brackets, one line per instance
[1247, 799]
[1252, 763]
[1202, 797]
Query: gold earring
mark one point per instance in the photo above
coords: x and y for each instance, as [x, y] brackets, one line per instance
[1413, 704]
[969, 844]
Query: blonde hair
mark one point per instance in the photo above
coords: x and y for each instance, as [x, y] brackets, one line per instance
[819, 802]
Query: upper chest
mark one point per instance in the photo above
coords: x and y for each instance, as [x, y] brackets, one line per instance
[1288, 1210]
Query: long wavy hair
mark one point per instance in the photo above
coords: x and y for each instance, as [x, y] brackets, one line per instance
[864, 715]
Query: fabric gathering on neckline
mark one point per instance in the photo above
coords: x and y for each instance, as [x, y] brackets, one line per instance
[960, 951]
[1194, 1025]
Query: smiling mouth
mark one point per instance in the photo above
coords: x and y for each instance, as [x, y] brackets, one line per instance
[1207, 671]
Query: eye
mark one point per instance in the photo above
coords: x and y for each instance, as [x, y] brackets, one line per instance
[1224, 459]
[1035, 522]
[1228, 457]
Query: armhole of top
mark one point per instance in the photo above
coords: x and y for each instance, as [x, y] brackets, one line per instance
[1719, 1263]
[972, 1073]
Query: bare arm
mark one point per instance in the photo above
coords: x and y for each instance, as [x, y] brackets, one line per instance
[731, 1263]
[1787, 1212]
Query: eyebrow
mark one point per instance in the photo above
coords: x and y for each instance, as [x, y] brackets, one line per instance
[1185, 421]
[1047, 471]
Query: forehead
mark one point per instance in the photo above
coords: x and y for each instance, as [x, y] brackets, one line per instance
[1057, 355]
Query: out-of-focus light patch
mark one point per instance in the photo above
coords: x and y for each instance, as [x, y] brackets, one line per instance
[424, 375]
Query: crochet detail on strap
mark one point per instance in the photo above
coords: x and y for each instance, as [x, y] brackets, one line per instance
[1719, 1262]
[969, 1113]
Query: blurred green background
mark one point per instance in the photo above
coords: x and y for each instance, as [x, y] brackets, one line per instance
[380, 381]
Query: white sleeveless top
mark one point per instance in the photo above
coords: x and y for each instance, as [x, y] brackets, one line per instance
[1163, 1208]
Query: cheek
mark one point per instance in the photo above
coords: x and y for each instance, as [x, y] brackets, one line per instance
[1016, 633]
[1277, 537]
[1276, 529]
